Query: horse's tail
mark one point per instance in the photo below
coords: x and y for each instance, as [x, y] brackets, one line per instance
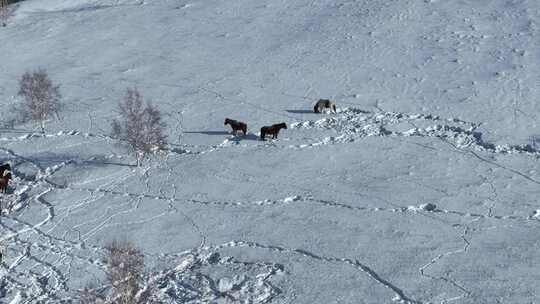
[263, 133]
[244, 129]
[316, 109]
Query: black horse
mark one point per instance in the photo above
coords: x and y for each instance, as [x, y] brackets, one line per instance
[273, 129]
[236, 125]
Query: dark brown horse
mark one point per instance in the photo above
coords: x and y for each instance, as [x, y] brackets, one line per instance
[324, 104]
[236, 125]
[4, 181]
[273, 129]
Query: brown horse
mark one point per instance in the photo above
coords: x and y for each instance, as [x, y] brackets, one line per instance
[273, 129]
[324, 104]
[4, 167]
[236, 125]
[4, 181]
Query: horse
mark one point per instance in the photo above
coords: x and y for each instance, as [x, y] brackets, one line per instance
[236, 125]
[4, 181]
[324, 104]
[4, 167]
[273, 129]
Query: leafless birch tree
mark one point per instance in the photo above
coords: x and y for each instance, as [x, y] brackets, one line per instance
[41, 96]
[140, 126]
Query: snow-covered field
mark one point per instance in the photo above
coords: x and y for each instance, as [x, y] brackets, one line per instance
[423, 188]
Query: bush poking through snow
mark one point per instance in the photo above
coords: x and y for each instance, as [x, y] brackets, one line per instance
[140, 126]
[41, 97]
[90, 296]
[125, 269]
[127, 281]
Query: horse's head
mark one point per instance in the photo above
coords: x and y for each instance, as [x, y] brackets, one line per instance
[7, 174]
[283, 125]
[227, 121]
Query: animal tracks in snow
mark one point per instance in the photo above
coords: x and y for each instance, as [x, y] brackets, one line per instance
[195, 279]
[351, 124]
[34, 245]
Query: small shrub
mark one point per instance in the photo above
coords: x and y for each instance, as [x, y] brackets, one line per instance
[125, 270]
[90, 296]
[127, 281]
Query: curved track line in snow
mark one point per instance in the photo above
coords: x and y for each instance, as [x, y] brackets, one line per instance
[300, 199]
[400, 295]
[423, 269]
[514, 171]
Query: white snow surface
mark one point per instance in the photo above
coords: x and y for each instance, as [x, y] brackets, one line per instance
[423, 188]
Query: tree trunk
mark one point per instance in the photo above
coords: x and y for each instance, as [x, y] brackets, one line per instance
[3, 11]
[139, 155]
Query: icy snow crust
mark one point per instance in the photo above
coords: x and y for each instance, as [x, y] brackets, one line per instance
[422, 188]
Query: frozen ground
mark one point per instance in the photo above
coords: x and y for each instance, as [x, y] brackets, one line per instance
[423, 188]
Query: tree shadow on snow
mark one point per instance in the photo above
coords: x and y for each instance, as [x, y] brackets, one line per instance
[208, 132]
[45, 160]
[84, 8]
[300, 111]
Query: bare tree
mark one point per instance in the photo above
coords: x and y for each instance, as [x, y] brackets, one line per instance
[125, 270]
[140, 126]
[127, 281]
[41, 96]
[4, 12]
